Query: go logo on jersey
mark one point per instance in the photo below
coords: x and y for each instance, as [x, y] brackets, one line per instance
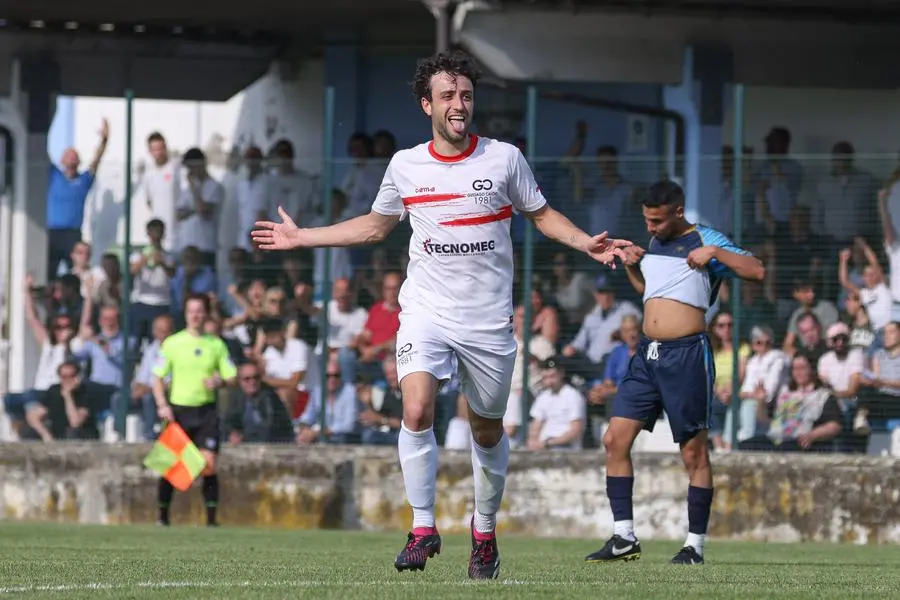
[482, 185]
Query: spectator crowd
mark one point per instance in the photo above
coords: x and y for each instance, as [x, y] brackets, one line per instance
[818, 359]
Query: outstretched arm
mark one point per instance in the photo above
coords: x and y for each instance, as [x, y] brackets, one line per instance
[366, 229]
[557, 226]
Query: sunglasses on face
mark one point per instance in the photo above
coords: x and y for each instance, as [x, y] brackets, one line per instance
[333, 375]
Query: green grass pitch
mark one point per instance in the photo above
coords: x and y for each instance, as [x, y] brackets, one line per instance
[93, 562]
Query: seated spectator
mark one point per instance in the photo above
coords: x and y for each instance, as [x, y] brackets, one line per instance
[880, 396]
[340, 261]
[841, 367]
[345, 319]
[585, 354]
[825, 312]
[237, 277]
[142, 385]
[572, 289]
[806, 416]
[381, 410]
[558, 414]
[809, 336]
[340, 411]
[106, 352]
[254, 412]
[152, 269]
[246, 324]
[283, 362]
[545, 318]
[108, 291]
[275, 308]
[70, 408]
[720, 340]
[763, 378]
[54, 342]
[874, 295]
[459, 432]
[379, 336]
[756, 309]
[192, 277]
[81, 265]
[369, 279]
[539, 350]
[65, 297]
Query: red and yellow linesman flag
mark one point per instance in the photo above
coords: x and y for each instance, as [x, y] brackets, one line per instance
[176, 458]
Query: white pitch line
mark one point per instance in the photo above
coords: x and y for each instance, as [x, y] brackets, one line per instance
[157, 585]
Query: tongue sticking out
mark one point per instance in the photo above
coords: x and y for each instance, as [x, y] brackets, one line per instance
[458, 125]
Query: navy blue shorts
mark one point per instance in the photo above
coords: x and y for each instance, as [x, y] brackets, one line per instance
[674, 375]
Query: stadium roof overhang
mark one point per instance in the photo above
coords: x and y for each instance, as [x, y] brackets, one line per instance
[199, 50]
[832, 43]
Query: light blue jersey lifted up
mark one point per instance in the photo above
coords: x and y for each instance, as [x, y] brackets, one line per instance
[667, 273]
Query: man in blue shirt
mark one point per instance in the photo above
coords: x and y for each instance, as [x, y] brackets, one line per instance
[67, 192]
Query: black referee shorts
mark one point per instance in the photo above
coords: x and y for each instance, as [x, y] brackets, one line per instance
[200, 423]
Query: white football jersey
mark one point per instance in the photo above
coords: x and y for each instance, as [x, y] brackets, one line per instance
[460, 207]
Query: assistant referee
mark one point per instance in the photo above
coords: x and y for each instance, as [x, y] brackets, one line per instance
[198, 364]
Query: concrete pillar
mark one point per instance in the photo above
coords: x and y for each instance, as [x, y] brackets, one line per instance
[39, 81]
[701, 97]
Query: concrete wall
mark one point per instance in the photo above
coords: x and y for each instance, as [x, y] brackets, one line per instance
[759, 497]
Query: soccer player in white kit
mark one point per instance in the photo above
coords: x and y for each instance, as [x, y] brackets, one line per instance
[459, 192]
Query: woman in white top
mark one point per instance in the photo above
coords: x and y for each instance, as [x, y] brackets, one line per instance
[54, 343]
[765, 374]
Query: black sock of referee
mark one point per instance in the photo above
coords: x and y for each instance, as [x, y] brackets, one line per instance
[211, 497]
[164, 498]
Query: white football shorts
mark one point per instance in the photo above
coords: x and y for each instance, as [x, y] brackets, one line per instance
[485, 360]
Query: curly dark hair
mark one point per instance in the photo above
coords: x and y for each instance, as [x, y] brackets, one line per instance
[454, 63]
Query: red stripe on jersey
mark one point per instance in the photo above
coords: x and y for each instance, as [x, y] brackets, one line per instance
[505, 213]
[473, 143]
[427, 198]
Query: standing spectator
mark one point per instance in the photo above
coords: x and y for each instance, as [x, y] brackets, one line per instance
[152, 269]
[142, 386]
[763, 378]
[891, 243]
[845, 206]
[780, 181]
[252, 196]
[198, 208]
[70, 409]
[382, 409]
[156, 192]
[67, 192]
[340, 411]
[826, 313]
[360, 184]
[384, 146]
[558, 413]
[379, 336]
[255, 413]
[283, 361]
[290, 188]
[841, 368]
[875, 296]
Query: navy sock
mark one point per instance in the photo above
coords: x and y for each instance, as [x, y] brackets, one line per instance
[619, 490]
[699, 506]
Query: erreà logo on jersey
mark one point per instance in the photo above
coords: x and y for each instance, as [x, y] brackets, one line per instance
[458, 248]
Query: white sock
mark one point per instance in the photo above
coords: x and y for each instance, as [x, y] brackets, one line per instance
[489, 467]
[624, 529]
[419, 461]
[696, 540]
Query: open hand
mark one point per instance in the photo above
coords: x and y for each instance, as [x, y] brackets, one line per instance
[605, 250]
[275, 236]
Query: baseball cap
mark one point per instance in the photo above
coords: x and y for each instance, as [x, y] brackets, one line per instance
[550, 363]
[603, 284]
[838, 329]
